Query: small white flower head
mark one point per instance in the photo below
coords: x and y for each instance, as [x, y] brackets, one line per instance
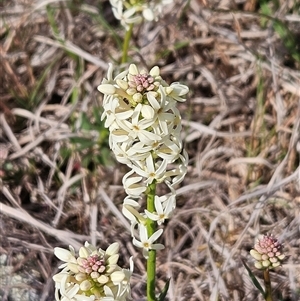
[147, 243]
[133, 12]
[267, 252]
[86, 276]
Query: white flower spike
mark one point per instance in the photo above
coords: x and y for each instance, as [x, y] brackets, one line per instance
[145, 134]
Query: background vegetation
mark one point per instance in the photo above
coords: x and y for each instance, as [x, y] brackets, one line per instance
[60, 184]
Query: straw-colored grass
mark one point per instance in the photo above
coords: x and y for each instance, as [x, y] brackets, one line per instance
[241, 130]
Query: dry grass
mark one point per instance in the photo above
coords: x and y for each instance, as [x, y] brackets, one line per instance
[241, 129]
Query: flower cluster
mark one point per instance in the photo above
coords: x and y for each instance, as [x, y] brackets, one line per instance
[267, 252]
[92, 276]
[145, 125]
[134, 11]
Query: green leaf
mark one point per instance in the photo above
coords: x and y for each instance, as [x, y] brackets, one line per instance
[163, 293]
[265, 11]
[288, 38]
[97, 112]
[85, 122]
[253, 278]
[82, 143]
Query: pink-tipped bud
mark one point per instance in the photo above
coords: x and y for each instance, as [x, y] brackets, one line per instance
[267, 252]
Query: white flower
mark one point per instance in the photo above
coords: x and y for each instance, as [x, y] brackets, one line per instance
[122, 290]
[133, 12]
[127, 153]
[120, 151]
[71, 292]
[138, 128]
[147, 243]
[107, 85]
[170, 150]
[126, 17]
[116, 109]
[68, 257]
[110, 79]
[130, 210]
[175, 176]
[133, 185]
[161, 213]
[176, 91]
[161, 110]
[119, 135]
[150, 172]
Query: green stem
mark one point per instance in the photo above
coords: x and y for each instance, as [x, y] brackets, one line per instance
[268, 291]
[126, 44]
[151, 261]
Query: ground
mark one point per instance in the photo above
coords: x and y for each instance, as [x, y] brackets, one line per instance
[60, 184]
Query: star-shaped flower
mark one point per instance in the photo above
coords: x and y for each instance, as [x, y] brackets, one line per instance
[147, 243]
[150, 171]
[162, 213]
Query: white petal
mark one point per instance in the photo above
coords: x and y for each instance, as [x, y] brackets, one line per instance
[154, 71]
[143, 233]
[112, 249]
[137, 243]
[147, 112]
[133, 180]
[152, 216]
[155, 235]
[158, 205]
[133, 69]
[117, 276]
[153, 101]
[157, 246]
[148, 14]
[83, 252]
[108, 291]
[64, 255]
[113, 259]
[150, 164]
[107, 89]
[58, 277]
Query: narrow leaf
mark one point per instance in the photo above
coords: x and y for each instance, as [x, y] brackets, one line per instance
[253, 278]
[163, 293]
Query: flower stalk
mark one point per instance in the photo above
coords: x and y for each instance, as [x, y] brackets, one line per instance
[151, 271]
[151, 261]
[268, 288]
[126, 44]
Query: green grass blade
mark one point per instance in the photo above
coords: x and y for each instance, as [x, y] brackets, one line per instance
[253, 278]
[164, 292]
